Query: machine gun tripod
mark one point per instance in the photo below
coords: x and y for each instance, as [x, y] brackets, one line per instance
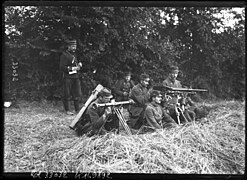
[115, 106]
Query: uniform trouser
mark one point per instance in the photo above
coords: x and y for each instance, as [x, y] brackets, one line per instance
[136, 122]
[72, 87]
[168, 121]
[190, 115]
[201, 112]
[102, 126]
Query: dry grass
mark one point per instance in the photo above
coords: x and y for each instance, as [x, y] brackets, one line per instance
[38, 138]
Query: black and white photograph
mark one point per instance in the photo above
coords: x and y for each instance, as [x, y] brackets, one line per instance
[97, 90]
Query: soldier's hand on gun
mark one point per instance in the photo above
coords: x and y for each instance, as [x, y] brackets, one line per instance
[108, 111]
[131, 101]
[125, 93]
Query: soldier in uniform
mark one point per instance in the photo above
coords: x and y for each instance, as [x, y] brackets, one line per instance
[122, 87]
[140, 95]
[70, 67]
[98, 120]
[155, 116]
[171, 81]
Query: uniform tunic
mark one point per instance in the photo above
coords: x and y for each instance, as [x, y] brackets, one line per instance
[170, 83]
[122, 86]
[156, 117]
[141, 96]
[98, 124]
[67, 61]
[71, 82]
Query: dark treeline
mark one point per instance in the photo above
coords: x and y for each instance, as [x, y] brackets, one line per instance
[115, 39]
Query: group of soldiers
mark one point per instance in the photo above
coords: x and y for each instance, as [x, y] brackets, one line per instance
[148, 107]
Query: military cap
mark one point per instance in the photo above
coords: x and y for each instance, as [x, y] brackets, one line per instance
[174, 69]
[105, 92]
[71, 42]
[144, 76]
[127, 73]
[156, 93]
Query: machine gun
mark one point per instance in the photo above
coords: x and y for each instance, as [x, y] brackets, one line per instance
[171, 90]
[179, 94]
[116, 110]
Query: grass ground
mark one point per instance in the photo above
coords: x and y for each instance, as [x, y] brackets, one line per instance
[37, 137]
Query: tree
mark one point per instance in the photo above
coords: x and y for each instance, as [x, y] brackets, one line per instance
[115, 39]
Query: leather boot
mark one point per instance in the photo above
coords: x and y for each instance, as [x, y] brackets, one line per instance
[76, 104]
[66, 107]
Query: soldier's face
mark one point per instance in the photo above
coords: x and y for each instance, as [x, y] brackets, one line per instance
[157, 99]
[127, 78]
[105, 99]
[174, 75]
[72, 48]
[145, 82]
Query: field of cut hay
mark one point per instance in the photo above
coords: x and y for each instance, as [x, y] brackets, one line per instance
[37, 138]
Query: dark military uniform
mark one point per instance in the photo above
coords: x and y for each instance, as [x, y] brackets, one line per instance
[170, 83]
[122, 86]
[71, 81]
[94, 122]
[140, 96]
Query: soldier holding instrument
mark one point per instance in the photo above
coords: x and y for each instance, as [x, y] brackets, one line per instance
[69, 66]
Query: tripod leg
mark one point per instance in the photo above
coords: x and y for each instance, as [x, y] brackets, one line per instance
[178, 114]
[122, 121]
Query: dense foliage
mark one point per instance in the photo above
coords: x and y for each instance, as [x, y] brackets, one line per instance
[114, 39]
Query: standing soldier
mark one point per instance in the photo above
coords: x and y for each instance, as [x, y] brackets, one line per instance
[122, 87]
[70, 66]
[140, 94]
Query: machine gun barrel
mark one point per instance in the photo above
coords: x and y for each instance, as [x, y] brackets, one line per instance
[112, 104]
[185, 89]
[171, 90]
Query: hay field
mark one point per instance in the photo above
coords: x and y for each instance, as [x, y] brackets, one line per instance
[37, 138]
